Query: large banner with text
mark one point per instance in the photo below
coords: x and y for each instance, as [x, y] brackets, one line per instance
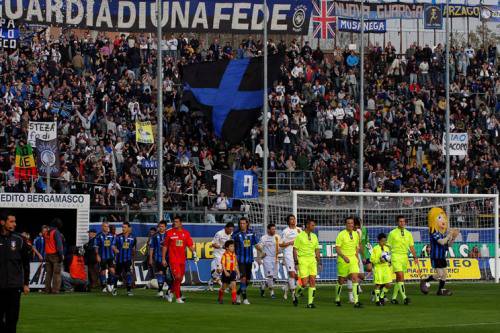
[217, 16]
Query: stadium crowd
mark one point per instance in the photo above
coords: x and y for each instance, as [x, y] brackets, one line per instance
[97, 88]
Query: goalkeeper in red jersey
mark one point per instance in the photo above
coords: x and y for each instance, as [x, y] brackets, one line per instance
[176, 241]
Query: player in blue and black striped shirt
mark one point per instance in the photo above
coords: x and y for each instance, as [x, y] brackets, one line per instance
[155, 252]
[244, 241]
[124, 248]
[105, 256]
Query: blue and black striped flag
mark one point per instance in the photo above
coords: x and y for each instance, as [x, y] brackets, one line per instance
[231, 90]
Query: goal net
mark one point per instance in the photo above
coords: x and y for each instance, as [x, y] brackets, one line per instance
[471, 257]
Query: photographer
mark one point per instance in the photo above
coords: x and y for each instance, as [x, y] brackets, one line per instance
[14, 272]
[76, 279]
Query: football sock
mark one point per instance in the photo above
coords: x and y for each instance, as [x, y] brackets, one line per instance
[441, 284]
[159, 278]
[221, 294]
[299, 288]
[377, 295]
[269, 282]
[430, 278]
[233, 295]
[102, 278]
[177, 288]
[402, 289]
[291, 283]
[349, 285]
[338, 289]
[243, 287]
[383, 292]
[128, 280]
[110, 280]
[355, 292]
[397, 286]
[310, 295]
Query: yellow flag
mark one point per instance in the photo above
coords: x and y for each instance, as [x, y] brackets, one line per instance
[144, 132]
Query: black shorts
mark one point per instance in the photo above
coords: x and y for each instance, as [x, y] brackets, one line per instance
[245, 270]
[230, 278]
[439, 263]
[159, 268]
[123, 267]
[107, 264]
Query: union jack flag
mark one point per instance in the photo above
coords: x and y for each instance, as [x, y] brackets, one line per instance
[323, 18]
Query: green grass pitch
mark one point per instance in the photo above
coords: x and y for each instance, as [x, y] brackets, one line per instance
[473, 308]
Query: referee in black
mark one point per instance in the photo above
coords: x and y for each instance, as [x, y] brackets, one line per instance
[14, 272]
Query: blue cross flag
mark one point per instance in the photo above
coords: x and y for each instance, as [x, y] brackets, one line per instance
[231, 90]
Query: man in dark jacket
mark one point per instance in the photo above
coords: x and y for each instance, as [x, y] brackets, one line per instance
[91, 260]
[14, 272]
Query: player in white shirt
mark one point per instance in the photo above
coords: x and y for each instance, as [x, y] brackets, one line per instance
[269, 248]
[288, 238]
[220, 238]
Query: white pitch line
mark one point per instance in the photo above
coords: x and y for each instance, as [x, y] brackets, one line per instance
[424, 327]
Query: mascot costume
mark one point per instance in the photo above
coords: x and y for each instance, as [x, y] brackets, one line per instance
[440, 239]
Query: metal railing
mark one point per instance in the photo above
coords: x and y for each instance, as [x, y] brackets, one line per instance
[285, 181]
[151, 216]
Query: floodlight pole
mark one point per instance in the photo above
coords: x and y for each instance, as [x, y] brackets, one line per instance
[159, 102]
[264, 123]
[361, 159]
[447, 89]
[47, 187]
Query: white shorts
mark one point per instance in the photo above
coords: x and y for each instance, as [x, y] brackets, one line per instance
[288, 262]
[270, 267]
[216, 263]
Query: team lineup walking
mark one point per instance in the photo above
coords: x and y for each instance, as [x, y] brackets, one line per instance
[249, 166]
[297, 250]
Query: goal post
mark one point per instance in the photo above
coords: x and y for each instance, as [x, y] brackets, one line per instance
[476, 215]
[475, 255]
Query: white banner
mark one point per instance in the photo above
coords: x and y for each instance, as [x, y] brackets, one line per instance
[79, 202]
[459, 144]
[37, 275]
[42, 130]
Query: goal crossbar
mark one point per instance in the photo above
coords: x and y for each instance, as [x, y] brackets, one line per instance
[493, 197]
